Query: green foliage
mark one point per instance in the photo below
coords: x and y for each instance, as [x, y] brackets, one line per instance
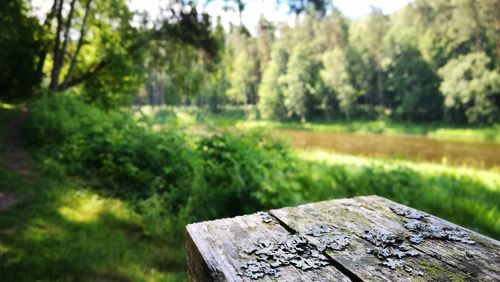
[298, 82]
[469, 85]
[411, 82]
[337, 77]
[169, 178]
[122, 155]
[242, 173]
[56, 120]
[116, 43]
[19, 45]
[271, 104]
[388, 69]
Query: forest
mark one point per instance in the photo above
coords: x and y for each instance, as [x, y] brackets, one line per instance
[119, 127]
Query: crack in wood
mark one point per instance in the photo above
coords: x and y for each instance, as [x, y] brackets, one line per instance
[218, 247]
[334, 263]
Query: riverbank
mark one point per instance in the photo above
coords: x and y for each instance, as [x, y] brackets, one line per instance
[235, 117]
[466, 196]
[66, 227]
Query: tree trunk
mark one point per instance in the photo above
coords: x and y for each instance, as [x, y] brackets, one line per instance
[380, 88]
[477, 25]
[54, 73]
[496, 9]
[42, 55]
[69, 75]
[59, 61]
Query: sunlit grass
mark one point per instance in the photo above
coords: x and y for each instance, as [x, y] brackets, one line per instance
[489, 177]
[60, 234]
[3, 249]
[463, 195]
[234, 117]
[6, 106]
[84, 206]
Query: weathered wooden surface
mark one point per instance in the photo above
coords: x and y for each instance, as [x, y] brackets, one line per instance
[216, 251]
[363, 238]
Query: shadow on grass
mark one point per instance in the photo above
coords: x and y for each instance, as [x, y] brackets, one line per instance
[60, 233]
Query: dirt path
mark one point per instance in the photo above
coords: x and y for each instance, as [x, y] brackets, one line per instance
[16, 158]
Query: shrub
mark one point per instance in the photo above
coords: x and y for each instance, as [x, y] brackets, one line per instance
[54, 120]
[242, 173]
[168, 178]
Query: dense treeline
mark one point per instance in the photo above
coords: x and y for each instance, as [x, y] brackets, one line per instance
[430, 61]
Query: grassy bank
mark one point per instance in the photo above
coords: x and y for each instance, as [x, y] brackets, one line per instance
[72, 227]
[235, 117]
[63, 231]
[466, 196]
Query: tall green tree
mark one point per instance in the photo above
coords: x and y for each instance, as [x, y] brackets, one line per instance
[271, 100]
[366, 36]
[412, 85]
[264, 39]
[241, 79]
[298, 81]
[337, 78]
[470, 85]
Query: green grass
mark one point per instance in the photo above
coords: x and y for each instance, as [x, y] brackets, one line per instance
[466, 196]
[63, 231]
[235, 117]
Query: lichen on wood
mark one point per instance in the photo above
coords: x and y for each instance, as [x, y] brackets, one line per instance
[329, 237]
[268, 257]
[422, 228]
[390, 249]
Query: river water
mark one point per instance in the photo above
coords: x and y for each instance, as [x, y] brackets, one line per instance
[483, 155]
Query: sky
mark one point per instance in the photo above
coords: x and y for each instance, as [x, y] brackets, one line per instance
[273, 12]
[254, 8]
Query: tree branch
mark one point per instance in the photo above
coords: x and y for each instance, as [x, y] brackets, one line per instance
[98, 68]
[198, 36]
[87, 75]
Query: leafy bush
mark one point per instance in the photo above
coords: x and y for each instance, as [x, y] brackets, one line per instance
[168, 178]
[123, 156]
[241, 173]
[55, 120]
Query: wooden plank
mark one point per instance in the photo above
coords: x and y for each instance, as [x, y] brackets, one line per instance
[216, 251]
[436, 259]
[481, 260]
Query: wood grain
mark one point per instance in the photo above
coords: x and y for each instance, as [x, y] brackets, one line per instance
[215, 248]
[215, 251]
[439, 260]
